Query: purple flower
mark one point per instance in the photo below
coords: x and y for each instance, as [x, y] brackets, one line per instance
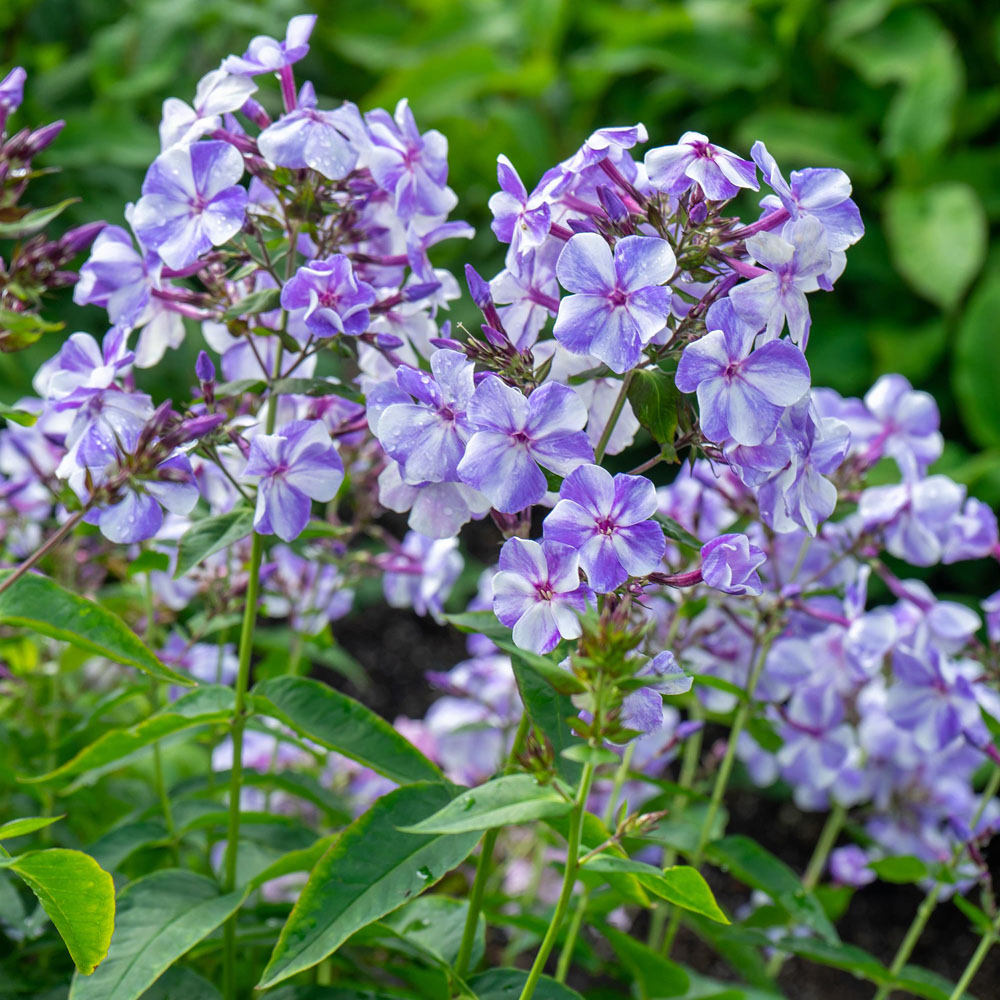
[191, 202]
[972, 533]
[822, 193]
[729, 563]
[267, 55]
[81, 368]
[849, 865]
[437, 510]
[218, 92]
[619, 303]
[11, 93]
[117, 277]
[306, 137]
[694, 160]
[333, 298]
[529, 284]
[412, 167]
[538, 593]
[642, 710]
[795, 260]
[741, 395]
[515, 435]
[428, 437]
[607, 521]
[294, 466]
[420, 574]
[991, 609]
[518, 219]
[908, 423]
[138, 516]
[107, 422]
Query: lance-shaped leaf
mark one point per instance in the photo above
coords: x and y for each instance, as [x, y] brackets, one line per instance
[34, 221]
[22, 827]
[36, 602]
[160, 917]
[340, 723]
[212, 703]
[512, 799]
[210, 535]
[78, 896]
[371, 870]
[505, 984]
[681, 885]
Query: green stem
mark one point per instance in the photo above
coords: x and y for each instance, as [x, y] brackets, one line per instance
[988, 940]
[923, 914]
[616, 412]
[723, 775]
[484, 863]
[827, 838]
[569, 881]
[154, 698]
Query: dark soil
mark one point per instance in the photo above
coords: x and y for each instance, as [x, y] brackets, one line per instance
[396, 649]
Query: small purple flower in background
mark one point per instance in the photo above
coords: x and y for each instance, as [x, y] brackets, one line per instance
[795, 260]
[643, 709]
[518, 219]
[538, 593]
[333, 298]
[11, 93]
[205, 661]
[293, 467]
[991, 609]
[849, 866]
[619, 301]
[81, 368]
[515, 435]
[421, 573]
[410, 166]
[218, 92]
[822, 193]
[694, 160]
[908, 422]
[191, 201]
[117, 277]
[607, 521]
[729, 563]
[306, 137]
[267, 55]
[428, 437]
[741, 395]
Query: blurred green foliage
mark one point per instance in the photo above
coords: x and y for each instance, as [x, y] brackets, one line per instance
[904, 96]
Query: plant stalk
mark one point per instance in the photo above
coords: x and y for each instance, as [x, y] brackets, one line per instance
[986, 942]
[616, 412]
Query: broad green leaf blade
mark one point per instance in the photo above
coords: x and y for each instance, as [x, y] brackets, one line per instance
[900, 870]
[506, 801]
[36, 602]
[78, 896]
[371, 870]
[160, 917]
[22, 827]
[506, 984]
[209, 704]
[316, 387]
[34, 221]
[263, 300]
[301, 860]
[434, 925]
[479, 623]
[977, 361]
[340, 723]
[654, 396]
[747, 861]
[682, 885]
[658, 975]
[179, 983]
[210, 535]
[924, 983]
[112, 849]
[937, 238]
[676, 532]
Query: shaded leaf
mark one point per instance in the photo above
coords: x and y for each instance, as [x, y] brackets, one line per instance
[210, 535]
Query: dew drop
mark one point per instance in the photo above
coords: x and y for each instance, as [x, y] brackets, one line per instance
[425, 874]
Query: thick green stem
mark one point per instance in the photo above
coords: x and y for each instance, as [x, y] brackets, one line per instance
[827, 838]
[485, 862]
[569, 881]
[923, 914]
[616, 412]
[987, 941]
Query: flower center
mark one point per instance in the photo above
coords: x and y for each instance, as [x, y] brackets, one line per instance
[606, 526]
[520, 437]
[328, 299]
[544, 591]
[618, 297]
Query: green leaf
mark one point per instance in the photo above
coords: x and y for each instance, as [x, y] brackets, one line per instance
[506, 984]
[179, 983]
[981, 923]
[211, 535]
[340, 723]
[506, 801]
[681, 829]
[479, 623]
[371, 870]
[901, 870]
[261, 301]
[22, 827]
[112, 849]
[316, 387]
[78, 896]
[836, 955]
[434, 925]
[34, 221]
[11, 413]
[658, 976]
[924, 983]
[937, 239]
[682, 885]
[677, 532]
[36, 602]
[747, 861]
[654, 396]
[209, 704]
[148, 561]
[976, 362]
[160, 917]
[302, 860]
[559, 677]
